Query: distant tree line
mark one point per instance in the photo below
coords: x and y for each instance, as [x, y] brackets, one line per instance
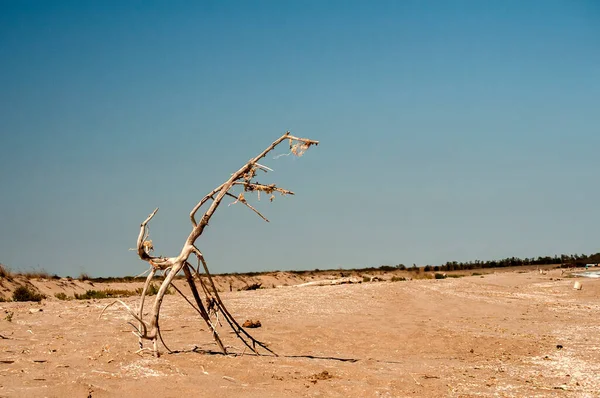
[564, 260]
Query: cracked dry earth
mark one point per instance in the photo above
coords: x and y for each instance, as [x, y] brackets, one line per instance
[505, 335]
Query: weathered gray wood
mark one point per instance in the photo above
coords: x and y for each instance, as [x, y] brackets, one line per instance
[173, 265]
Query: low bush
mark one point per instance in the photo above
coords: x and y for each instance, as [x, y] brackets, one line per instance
[90, 294]
[254, 286]
[398, 279]
[440, 276]
[152, 290]
[23, 293]
[62, 296]
[423, 275]
[102, 294]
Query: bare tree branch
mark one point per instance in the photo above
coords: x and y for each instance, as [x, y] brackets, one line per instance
[171, 266]
[241, 198]
[144, 235]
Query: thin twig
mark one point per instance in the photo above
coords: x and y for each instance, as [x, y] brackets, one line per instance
[413, 377]
[245, 202]
[186, 299]
[264, 167]
[228, 317]
[143, 273]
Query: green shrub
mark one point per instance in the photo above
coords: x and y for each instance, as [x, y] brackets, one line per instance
[254, 286]
[110, 293]
[102, 294]
[440, 276]
[90, 294]
[62, 296]
[152, 290]
[23, 293]
[422, 275]
[398, 278]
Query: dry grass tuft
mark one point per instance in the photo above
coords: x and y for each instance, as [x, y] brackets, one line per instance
[84, 277]
[36, 274]
[423, 275]
[5, 272]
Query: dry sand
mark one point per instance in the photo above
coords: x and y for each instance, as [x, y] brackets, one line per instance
[495, 335]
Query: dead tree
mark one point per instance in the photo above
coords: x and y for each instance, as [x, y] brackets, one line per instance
[244, 179]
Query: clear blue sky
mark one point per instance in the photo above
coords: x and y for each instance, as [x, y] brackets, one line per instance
[450, 130]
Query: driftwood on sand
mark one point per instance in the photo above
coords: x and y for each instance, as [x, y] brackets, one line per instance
[329, 282]
[206, 299]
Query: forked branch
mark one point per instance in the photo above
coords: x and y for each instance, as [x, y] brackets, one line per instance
[171, 266]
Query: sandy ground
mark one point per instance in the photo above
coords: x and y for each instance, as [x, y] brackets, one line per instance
[509, 334]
